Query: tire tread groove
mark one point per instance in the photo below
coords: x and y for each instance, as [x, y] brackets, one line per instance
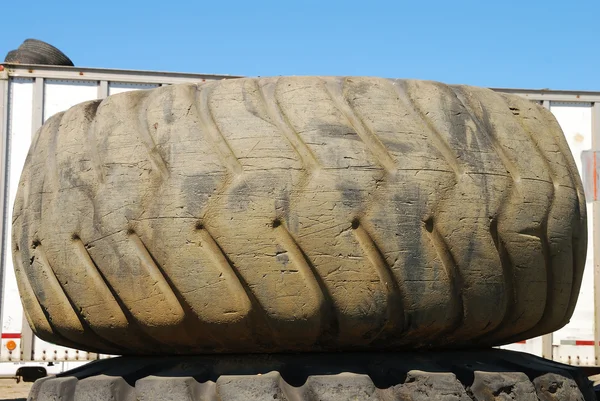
[102, 284]
[453, 273]
[395, 310]
[91, 144]
[158, 275]
[437, 139]
[156, 159]
[267, 94]
[57, 288]
[232, 276]
[335, 89]
[314, 280]
[214, 134]
[252, 307]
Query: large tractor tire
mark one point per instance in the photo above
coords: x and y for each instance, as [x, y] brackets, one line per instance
[299, 214]
[447, 376]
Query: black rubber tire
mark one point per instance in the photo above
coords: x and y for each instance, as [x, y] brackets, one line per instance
[448, 376]
[11, 57]
[21, 56]
[299, 214]
[51, 54]
[33, 51]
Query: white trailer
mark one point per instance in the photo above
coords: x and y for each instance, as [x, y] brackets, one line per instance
[31, 94]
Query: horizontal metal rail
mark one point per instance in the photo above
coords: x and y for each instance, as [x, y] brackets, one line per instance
[103, 74]
[163, 77]
[553, 95]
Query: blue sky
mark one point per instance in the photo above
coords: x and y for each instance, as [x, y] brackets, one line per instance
[519, 44]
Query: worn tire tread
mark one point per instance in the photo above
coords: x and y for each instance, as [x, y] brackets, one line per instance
[363, 194]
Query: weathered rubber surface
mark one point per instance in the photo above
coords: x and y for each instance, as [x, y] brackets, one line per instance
[33, 51]
[20, 56]
[51, 54]
[299, 214]
[447, 376]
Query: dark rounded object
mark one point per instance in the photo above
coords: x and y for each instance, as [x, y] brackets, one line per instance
[51, 54]
[33, 51]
